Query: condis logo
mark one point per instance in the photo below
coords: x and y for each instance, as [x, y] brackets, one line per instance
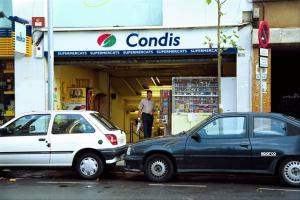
[106, 40]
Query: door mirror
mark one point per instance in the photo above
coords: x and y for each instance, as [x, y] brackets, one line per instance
[3, 131]
[196, 137]
[203, 132]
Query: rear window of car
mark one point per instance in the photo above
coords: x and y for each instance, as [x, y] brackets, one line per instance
[107, 123]
[269, 127]
[293, 129]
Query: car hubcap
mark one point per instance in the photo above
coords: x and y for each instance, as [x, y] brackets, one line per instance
[158, 168]
[292, 171]
[89, 166]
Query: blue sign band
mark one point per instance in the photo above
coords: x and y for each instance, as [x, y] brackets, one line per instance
[130, 53]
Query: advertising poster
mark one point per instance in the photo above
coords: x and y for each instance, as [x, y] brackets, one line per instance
[76, 99]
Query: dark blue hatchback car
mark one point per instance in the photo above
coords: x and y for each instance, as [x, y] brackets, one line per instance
[266, 143]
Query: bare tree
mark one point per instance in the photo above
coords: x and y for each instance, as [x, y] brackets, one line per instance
[222, 40]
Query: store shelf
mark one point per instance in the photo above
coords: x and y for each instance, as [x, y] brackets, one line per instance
[8, 71]
[196, 86]
[186, 95]
[195, 94]
[9, 92]
[8, 115]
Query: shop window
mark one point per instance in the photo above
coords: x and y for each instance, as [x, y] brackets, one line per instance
[7, 91]
[71, 124]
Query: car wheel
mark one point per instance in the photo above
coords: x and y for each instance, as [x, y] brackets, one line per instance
[290, 172]
[159, 168]
[89, 166]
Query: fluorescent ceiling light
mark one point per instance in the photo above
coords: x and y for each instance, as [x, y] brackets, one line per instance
[156, 90]
[158, 80]
[153, 81]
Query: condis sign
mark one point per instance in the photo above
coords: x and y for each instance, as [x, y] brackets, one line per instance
[138, 40]
[106, 40]
[168, 39]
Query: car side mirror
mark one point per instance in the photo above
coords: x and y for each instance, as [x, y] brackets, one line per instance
[3, 131]
[196, 137]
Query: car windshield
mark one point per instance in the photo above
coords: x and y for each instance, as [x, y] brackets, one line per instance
[198, 125]
[107, 123]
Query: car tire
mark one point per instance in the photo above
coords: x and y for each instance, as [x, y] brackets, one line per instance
[159, 168]
[89, 166]
[289, 172]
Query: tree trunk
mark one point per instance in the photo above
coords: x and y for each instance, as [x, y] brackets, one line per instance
[219, 57]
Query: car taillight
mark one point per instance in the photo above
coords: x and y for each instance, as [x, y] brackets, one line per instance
[112, 138]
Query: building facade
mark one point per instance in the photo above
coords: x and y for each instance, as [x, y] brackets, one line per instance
[15, 41]
[281, 92]
[110, 54]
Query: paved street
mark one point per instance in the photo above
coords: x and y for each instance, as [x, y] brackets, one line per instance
[63, 184]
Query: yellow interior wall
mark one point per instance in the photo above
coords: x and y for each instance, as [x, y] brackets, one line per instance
[103, 86]
[117, 111]
[66, 75]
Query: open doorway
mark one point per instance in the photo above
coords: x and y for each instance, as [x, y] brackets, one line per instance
[285, 90]
[128, 79]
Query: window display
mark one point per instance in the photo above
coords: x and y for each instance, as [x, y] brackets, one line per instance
[195, 94]
[7, 92]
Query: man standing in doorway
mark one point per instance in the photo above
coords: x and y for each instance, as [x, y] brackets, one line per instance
[147, 108]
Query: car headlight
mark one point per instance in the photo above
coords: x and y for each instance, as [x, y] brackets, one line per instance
[128, 151]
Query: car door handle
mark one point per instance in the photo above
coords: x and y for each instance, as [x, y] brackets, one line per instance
[244, 144]
[42, 139]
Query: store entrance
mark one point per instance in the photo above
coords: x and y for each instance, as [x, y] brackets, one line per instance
[120, 85]
[285, 90]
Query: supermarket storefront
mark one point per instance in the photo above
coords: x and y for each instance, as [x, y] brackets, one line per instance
[113, 69]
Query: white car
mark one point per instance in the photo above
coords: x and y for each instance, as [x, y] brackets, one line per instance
[81, 139]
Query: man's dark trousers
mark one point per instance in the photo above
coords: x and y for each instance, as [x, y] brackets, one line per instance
[147, 124]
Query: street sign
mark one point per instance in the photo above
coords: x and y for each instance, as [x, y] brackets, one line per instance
[263, 76]
[20, 38]
[264, 52]
[264, 34]
[263, 39]
[263, 62]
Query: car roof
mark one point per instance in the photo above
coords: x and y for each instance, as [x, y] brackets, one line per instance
[254, 113]
[59, 111]
[270, 114]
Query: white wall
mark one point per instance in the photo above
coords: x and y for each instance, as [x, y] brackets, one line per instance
[244, 74]
[27, 9]
[198, 13]
[228, 94]
[30, 73]
[175, 12]
[30, 85]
